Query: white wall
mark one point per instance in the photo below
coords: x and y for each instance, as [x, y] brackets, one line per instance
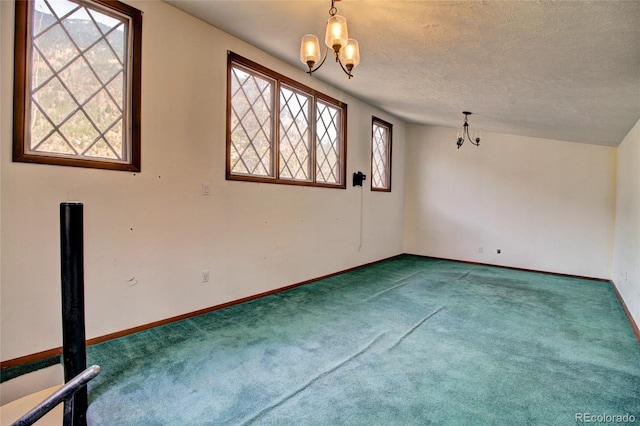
[547, 205]
[156, 226]
[626, 258]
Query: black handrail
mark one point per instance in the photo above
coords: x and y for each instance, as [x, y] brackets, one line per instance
[65, 393]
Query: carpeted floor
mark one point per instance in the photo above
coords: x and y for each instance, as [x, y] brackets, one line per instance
[407, 341]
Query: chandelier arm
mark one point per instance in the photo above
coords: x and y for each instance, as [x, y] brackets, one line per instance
[472, 142]
[465, 135]
[342, 66]
[321, 62]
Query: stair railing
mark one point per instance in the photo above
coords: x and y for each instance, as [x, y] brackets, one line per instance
[65, 393]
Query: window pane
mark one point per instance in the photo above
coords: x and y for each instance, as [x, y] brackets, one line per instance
[295, 135]
[381, 155]
[74, 105]
[281, 131]
[251, 123]
[327, 143]
[77, 83]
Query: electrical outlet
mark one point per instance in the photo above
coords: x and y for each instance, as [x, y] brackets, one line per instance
[204, 277]
[206, 188]
[480, 249]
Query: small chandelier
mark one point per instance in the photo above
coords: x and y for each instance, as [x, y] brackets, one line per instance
[464, 133]
[345, 49]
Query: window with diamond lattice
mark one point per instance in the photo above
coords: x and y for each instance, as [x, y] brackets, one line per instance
[251, 123]
[295, 134]
[380, 155]
[77, 83]
[327, 143]
[281, 131]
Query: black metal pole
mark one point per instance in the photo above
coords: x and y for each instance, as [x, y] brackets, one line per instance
[74, 351]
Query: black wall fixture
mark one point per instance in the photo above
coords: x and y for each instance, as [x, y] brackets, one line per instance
[358, 178]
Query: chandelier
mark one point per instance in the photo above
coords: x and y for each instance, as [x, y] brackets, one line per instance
[345, 49]
[464, 133]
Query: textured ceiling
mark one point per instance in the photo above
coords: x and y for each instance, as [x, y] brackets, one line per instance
[566, 70]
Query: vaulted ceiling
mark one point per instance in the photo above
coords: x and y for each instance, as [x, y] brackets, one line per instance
[566, 70]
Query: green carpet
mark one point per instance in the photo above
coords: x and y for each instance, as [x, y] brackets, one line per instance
[405, 341]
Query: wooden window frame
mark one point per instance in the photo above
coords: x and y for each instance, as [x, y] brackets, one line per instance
[389, 127]
[22, 90]
[233, 58]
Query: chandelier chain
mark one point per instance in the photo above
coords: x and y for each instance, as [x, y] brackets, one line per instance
[333, 9]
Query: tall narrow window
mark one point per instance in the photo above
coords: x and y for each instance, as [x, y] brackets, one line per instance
[381, 155]
[251, 123]
[77, 83]
[328, 151]
[281, 131]
[295, 134]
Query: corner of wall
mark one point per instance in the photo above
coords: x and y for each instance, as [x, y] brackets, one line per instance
[626, 247]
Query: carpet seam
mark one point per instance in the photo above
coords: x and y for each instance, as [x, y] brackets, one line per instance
[384, 291]
[418, 324]
[463, 275]
[394, 287]
[311, 382]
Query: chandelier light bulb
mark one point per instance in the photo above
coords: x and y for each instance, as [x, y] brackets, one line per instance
[337, 36]
[310, 50]
[350, 55]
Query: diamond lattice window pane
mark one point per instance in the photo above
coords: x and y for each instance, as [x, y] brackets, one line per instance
[81, 29]
[101, 149]
[55, 101]
[116, 90]
[40, 126]
[56, 47]
[327, 143]
[106, 24]
[43, 18]
[79, 131]
[55, 144]
[102, 110]
[115, 138]
[116, 40]
[80, 81]
[40, 70]
[251, 123]
[380, 149]
[295, 135]
[61, 8]
[78, 86]
[103, 61]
